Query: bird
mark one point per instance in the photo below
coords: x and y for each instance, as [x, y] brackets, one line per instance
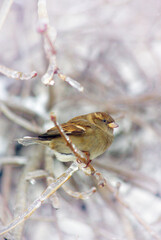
[91, 133]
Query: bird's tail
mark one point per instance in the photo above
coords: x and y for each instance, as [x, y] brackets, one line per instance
[29, 141]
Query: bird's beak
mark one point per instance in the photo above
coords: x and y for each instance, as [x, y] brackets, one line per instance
[113, 125]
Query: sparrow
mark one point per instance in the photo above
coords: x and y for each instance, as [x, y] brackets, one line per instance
[91, 133]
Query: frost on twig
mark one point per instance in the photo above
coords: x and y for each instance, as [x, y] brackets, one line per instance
[52, 188]
[16, 74]
[79, 195]
[48, 77]
[71, 82]
[31, 176]
[49, 168]
[50, 34]
[46, 30]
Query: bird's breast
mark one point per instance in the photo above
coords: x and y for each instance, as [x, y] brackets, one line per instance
[95, 144]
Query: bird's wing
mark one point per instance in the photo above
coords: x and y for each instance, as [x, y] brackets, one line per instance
[69, 128]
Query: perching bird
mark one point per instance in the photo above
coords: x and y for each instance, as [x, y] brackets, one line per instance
[91, 133]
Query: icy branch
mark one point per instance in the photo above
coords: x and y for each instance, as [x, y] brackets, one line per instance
[16, 74]
[52, 188]
[49, 34]
[79, 195]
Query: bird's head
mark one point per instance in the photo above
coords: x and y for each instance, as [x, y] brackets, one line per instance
[104, 121]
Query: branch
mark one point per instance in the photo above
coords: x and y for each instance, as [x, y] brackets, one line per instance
[79, 195]
[52, 188]
[49, 34]
[134, 177]
[16, 74]
[13, 160]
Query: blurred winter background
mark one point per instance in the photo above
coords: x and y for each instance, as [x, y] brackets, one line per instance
[112, 48]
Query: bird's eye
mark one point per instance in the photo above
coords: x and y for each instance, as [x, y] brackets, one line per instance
[104, 120]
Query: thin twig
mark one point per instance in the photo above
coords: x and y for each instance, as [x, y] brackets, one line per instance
[13, 160]
[79, 195]
[37, 174]
[49, 167]
[49, 34]
[20, 106]
[138, 179]
[16, 74]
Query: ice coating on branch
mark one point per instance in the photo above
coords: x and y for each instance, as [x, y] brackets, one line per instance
[80, 195]
[46, 194]
[71, 82]
[74, 84]
[16, 74]
[48, 77]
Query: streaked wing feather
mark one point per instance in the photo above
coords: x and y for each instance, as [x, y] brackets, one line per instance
[68, 128]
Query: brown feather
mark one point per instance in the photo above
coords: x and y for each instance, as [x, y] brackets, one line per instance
[68, 128]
